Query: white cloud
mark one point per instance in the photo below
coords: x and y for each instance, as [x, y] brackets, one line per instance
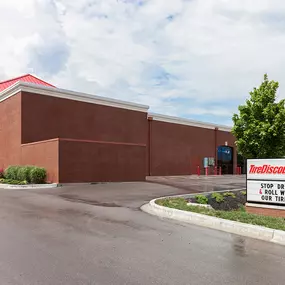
[224, 112]
[177, 56]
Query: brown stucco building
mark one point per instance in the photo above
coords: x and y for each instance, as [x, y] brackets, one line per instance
[85, 138]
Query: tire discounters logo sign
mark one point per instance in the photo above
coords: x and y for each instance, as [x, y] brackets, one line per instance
[266, 181]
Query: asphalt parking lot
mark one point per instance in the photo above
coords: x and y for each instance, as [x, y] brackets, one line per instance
[96, 234]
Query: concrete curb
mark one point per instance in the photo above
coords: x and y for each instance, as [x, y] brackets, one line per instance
[204, 193]
[29, 186]
[81, 183]
[238, 228]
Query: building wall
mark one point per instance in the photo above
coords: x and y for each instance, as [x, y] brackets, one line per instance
[91, 161]
[10, 131]
[84, 142]
[97, 143]
[223, 137]
[46, 117]
[43, 154]
[178, 149]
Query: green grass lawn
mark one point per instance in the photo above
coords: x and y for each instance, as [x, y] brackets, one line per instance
[238, 215]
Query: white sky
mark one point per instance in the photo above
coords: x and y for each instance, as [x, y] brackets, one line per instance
[196, 58]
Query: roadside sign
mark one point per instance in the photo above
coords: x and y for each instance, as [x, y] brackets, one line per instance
[265, 181]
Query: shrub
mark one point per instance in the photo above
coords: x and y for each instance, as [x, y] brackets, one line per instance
[201, 199]
[218, 197]
[243, 193]
[24, 173]
[227, 202]
[229, 194]
[12, 172]
[38, 175]
[1, 173]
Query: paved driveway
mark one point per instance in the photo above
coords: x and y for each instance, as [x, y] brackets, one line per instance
[97, 235]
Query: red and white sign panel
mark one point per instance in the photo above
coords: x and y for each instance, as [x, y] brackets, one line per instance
[266, 181]
[266, 169]
[268, 192]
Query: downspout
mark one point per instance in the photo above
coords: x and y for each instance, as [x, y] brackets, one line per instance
[216, 146]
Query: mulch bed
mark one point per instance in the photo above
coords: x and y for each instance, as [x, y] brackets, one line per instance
[229, 203]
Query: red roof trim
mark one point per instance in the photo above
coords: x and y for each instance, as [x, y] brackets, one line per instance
[16, 78]
[23, 76]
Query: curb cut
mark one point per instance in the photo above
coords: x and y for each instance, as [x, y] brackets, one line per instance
[31, 186]
[242, 229]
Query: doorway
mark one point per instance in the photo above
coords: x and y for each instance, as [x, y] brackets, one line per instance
[225, 159]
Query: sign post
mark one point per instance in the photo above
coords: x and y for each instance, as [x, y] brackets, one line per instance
[265, 182]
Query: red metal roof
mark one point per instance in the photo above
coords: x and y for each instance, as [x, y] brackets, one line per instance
[24, 78]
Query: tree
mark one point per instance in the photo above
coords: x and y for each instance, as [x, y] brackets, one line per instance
[260, 126]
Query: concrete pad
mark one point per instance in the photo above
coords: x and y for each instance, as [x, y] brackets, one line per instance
[198, 184]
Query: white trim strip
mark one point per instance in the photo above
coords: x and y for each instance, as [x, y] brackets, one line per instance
[187, 122]
[93, 99]
[71, 95]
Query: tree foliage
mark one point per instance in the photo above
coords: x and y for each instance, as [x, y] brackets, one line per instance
[259, 127]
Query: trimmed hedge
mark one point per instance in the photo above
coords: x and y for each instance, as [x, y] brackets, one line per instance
[38, 175]
[29, 174]
[11, 172]
[24, 173]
